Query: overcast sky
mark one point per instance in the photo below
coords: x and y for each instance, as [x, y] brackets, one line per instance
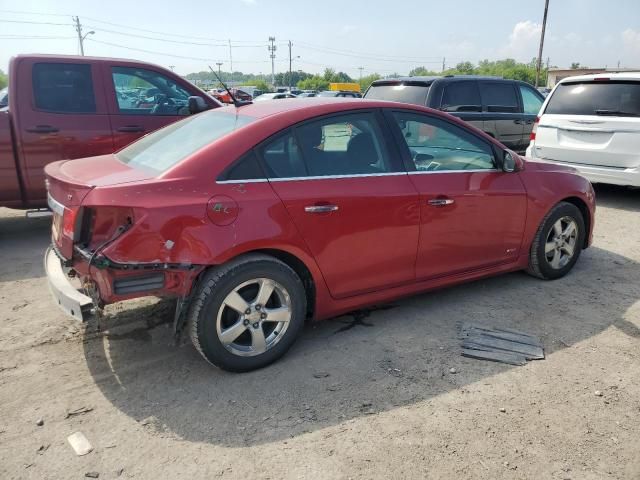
[380, 36]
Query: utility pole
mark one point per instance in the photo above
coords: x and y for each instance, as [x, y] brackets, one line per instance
[544, 26]
[290, 61]
[618, 64]
[230, 60]
[443, 62]
[272, 51]
[219, 72]
[80, 36]
[360, 79]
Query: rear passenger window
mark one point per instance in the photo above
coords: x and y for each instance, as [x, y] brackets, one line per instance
[530, 100]
[349, 144]
[499, 97]
[461, 97]
[246, 168]
[63, 88]
[282, 158]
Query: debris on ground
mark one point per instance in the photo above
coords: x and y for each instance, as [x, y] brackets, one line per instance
[453, 371]
[78, 411]
[597, 393]
[502, 345]
[79, 443]
[321, 375]
[43, 448]
[40, 422]
[92, 475]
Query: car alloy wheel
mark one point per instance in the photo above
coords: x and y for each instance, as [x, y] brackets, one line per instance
[253, 317]
[561, 242]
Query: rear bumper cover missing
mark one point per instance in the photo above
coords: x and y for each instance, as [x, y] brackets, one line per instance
[70, 300]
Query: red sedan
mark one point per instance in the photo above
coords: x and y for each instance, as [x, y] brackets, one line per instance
[259, 217]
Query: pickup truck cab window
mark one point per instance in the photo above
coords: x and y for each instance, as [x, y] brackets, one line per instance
[63, 88]
[145, 92]
[435, 145]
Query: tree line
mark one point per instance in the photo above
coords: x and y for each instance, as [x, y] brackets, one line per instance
[507, 68]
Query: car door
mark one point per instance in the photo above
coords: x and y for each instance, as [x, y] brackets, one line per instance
[472, 214]
[532, 101]
[351, 199]
[62, 116]
[502, 112]
[142, 100]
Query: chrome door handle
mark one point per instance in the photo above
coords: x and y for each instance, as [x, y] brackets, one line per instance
[320, 208]
[440, 202]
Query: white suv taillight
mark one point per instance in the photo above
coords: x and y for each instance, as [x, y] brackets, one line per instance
[532, 137]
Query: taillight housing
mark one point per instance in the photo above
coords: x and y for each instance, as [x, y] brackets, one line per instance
[70, 221]
[532, 137]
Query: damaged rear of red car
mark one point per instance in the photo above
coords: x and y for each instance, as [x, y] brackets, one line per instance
[126, 229]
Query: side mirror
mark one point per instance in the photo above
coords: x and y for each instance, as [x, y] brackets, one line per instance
[511, 162]
[197, 105]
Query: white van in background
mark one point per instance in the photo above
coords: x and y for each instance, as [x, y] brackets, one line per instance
[592, 123]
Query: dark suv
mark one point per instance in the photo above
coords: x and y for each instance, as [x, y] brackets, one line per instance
[505, 109]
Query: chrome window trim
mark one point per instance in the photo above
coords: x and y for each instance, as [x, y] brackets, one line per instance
[54, 205]
[337, 177]
[476, 170]
[253, 180]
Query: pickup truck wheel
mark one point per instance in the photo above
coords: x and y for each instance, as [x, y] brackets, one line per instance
[248, 313]
[558, 242]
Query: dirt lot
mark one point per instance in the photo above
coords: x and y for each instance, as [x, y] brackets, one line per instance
[367, 399]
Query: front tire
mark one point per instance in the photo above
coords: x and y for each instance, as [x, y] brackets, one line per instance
[246, 314]
[558, 242]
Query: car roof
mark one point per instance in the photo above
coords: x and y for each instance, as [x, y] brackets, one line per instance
[314, 106]
[608, 75]
[426, 80]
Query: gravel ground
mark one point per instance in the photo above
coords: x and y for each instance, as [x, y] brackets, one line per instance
[372, 398]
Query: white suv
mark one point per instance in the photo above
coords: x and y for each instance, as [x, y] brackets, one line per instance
[592, 123]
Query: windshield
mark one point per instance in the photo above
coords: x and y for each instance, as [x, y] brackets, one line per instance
[166, 147]
[416, 94]
[618, 98]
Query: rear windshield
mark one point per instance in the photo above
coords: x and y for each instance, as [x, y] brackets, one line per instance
[617, 98]
[164, 148]
[416, 94]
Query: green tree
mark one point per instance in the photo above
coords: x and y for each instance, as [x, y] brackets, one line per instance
[575, 65]
[3, 79]
[365, 82]
[259, 84]
[422, 72]
[314, 82]
[465, 68]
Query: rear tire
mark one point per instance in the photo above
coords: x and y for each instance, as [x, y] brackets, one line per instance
[247, 313]
[557, 243]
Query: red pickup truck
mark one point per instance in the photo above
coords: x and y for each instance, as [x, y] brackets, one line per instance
[67, 107]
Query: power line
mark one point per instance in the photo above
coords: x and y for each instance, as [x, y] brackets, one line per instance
[182, 42]
[361, 54]
[200, 59]
[32, 37]
[36, 13]
[35, 23]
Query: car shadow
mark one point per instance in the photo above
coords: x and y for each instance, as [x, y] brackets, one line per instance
[21, 241]
[614, 196]
[350, 366]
